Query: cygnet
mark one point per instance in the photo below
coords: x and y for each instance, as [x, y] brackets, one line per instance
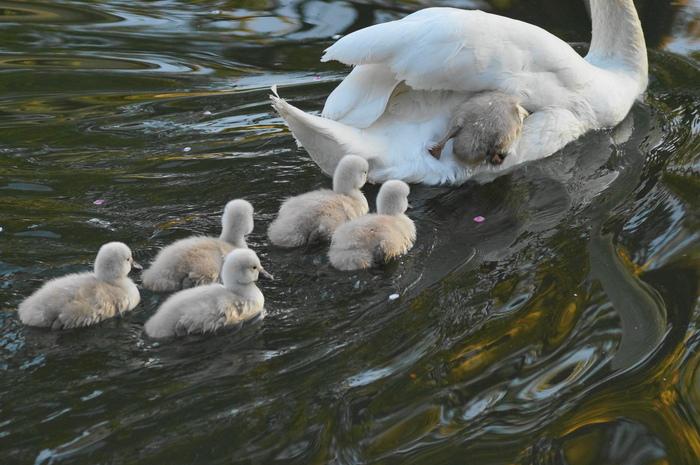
[483, 128]
[208, 308]
[197, 260]
[314, 216]
[376, 237]
[82, 299]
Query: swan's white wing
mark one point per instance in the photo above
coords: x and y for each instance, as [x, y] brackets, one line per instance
[326, 139]
[454, 50]
[368, 87]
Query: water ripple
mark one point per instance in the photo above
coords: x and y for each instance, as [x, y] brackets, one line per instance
[39, 12]
[87, 62]
[507, 343]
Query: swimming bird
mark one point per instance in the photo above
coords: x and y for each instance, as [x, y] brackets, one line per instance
[313, 216]
[483, 128]
[210, 307]
[82, 299]
[376, 237]
[409, 75]
[197, 260]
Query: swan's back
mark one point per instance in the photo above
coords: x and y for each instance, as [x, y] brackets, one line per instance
[203, 309]
[375, 238]
[197, 260]
[314, 216]
[371, 239]
[458, 51]
[186, 263]
[190, 311]
[83, 299]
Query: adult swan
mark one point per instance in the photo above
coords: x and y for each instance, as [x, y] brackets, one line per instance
[410, 74]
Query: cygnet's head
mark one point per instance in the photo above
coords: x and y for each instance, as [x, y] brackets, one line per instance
[114, 261]
[242, 266]
[393, 198]
[237, 219]
[351, 173]
[500, 106]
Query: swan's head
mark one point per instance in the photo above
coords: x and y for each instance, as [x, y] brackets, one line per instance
[351, 173]
[237, 220]
[114, 261]
[393, 198]
[242, 266]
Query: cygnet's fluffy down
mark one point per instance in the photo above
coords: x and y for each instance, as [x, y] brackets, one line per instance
[314, 216]
[208, 308]
[374, 238]
[197, 260]
[82, 299]
[483, 128]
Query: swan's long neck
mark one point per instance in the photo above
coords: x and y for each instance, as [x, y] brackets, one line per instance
[344, 184]
[235, 238]
[234, 231]
[356, 194]
[617, 42]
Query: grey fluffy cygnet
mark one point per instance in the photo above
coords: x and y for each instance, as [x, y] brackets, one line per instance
[197, 260]
[483, 128]
[376, 237]
[208, 308]
[313, 216]
[82, 299]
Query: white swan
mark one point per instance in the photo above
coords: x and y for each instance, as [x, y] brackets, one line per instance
[197, 260]
[410, 74]
[207, 308]
[312, 216]
[82, 299]
[376, 237]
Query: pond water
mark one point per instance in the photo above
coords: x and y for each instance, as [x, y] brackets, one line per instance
[563, 329]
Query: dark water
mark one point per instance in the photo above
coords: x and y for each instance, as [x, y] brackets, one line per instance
[561, 330]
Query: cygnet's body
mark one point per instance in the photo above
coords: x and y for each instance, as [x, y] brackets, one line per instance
[197, 260]
[314, 216]
[374, 238]
[82, 299]
[483, 127]
[208, 308]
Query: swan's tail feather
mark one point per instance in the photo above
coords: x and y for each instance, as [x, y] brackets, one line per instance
[327, 141]
[162, 324]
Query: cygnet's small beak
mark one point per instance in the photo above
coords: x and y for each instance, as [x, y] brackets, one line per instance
[262, 274]
[409, 206]
[135, 266]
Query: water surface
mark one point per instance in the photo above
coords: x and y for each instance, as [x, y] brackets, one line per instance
[563, 329]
